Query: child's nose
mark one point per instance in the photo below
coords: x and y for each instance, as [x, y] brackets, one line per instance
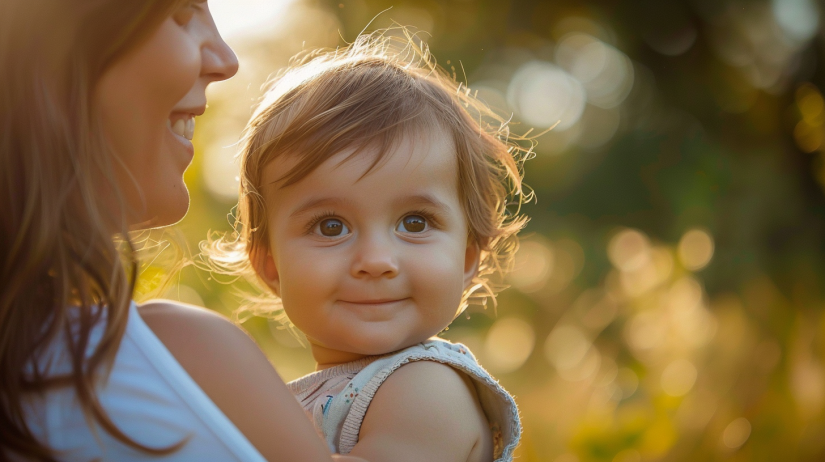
[375, 258]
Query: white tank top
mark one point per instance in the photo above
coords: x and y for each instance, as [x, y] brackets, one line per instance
[148, 395]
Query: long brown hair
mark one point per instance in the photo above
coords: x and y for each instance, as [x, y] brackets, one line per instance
[56, 191]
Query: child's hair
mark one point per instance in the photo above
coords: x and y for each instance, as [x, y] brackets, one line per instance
[370, 95]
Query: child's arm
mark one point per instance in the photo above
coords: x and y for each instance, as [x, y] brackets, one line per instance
[425, 411]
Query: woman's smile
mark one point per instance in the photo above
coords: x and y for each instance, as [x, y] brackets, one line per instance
[181, 127]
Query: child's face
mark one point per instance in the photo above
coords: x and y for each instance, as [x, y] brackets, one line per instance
[368, 264]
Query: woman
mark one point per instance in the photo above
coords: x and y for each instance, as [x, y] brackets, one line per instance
[98, 103]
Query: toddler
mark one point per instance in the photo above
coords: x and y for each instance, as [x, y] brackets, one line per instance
[374, 194]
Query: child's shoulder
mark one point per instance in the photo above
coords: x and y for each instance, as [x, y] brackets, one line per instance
[438, 385]
[427, 401]
[431, 367]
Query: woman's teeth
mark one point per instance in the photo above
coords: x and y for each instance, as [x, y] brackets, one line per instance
[183, 127]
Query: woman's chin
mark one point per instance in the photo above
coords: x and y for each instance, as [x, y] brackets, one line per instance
[171, 218]
[172, 212]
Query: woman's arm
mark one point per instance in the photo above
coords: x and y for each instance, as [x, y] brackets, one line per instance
[230, 368]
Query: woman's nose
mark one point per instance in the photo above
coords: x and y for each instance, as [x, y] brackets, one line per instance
[375, 258]
[219, 62]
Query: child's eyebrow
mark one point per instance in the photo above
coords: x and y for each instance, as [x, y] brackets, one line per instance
[424, 199]
[406, 201]
[315, 203]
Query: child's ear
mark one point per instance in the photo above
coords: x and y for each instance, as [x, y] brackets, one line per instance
[471, 262]
[264, 266]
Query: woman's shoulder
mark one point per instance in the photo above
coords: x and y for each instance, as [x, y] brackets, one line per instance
[179, 324]
[172, 311]
[206, 344]
[209, 347]
[236, 375]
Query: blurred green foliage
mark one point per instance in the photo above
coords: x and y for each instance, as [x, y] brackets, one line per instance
[667, 303]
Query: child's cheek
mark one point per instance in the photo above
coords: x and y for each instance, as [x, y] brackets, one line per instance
[437, 275]
[307, 276]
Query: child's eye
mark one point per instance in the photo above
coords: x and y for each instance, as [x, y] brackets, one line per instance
[331, 227]
[412, 224]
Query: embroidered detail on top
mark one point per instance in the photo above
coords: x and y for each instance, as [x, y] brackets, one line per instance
[325, 406]
[351, 392]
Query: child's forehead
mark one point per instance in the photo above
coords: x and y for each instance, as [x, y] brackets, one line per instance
[413, 150]
[422, 167]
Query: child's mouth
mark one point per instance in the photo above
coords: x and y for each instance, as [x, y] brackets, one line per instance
[374, 310]
[376, 302]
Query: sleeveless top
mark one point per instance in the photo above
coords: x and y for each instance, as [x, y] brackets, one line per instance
[336, 399]
[149, 397]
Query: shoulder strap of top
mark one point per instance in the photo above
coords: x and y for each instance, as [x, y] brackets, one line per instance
[189, 392]
[346, 411]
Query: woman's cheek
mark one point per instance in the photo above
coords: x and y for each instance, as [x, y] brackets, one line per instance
[175, 51]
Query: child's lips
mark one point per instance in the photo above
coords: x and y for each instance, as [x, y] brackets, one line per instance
[376, 302]
[374, 310]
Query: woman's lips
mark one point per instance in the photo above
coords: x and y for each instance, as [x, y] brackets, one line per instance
[183, 126]
[181, 121]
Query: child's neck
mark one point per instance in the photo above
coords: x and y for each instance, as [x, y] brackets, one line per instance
[327, 357]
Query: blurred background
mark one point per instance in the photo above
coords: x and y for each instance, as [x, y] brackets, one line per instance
[666, 301]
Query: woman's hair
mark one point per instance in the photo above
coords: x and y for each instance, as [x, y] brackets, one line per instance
[369, 96]
[57, 196]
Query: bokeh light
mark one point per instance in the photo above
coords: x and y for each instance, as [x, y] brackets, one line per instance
[534, 264]
[508, 345]
[605, 73]
[544, 94]
[646, 332]
[629, 250]
[568, 349]
[736, 433]
[807, 382]
[678, 377]
[799, 19]
[695, 249]
[809, 132]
